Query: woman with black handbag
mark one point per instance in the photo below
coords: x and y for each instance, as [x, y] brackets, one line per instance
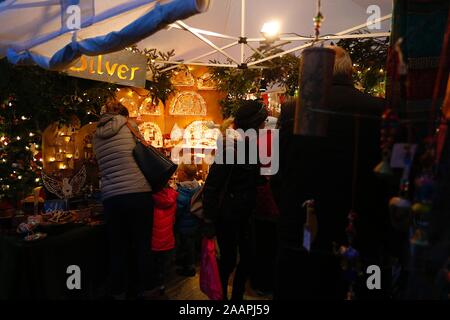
[127, 201]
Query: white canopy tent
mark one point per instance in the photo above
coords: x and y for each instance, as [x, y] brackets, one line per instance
[53, 33]
[215, 34]
[32, 30]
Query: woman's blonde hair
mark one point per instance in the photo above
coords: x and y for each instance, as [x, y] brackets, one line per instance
[343, 64]
[226, 124]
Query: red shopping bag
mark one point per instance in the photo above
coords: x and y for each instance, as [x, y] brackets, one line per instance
[209, 271]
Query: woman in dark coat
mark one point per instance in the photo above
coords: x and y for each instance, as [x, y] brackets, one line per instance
[229, 201]
[323, 169]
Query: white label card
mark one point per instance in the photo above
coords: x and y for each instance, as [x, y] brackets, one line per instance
[306, 239]
[399, 156]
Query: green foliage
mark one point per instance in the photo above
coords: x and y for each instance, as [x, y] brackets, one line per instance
[239, 83]
[160, 86]
[369, 60]
[32, 98]
[368, 55]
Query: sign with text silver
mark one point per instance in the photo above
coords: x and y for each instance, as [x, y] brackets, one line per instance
[123, 67]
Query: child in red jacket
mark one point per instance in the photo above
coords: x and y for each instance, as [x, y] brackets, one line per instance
[163, 239]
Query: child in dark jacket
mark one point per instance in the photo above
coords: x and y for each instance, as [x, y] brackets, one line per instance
[163, 239]
[187, 224]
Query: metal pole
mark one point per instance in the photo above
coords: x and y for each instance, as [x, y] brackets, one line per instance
[207, 41]
[353, 36]
[242, 29]
[205, 32]
[198, 64]
[203, 55]
[386, 17]
[350, 36]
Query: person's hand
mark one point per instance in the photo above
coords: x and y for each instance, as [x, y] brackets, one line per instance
[208, 229]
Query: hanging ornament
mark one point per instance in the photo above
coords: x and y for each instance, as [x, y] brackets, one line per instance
[76, 156]
[350, 230]
[65, 188]
[400, 210]
[389, 128]
[318, 19]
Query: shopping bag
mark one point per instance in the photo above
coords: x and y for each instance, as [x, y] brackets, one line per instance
[209, 271]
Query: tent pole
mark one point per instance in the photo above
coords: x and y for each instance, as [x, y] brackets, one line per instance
[205, 32]
[207, 41]
[339, 35]
[256, 51]
[349, 36]
[203, 55]
[242, 30]
[386, 17]
[256, 40]
[198, 64]
[222, 65]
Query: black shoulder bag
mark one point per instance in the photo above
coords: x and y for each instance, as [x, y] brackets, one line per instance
[155, 166]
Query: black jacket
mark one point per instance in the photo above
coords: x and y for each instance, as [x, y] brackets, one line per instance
[322, 169]
[230, 190]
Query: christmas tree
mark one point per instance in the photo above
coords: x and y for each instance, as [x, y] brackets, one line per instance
[32, 98]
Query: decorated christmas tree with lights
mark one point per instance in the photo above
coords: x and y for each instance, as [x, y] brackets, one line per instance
[31, 99]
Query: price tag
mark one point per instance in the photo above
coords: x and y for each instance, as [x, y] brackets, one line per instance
[400, 157]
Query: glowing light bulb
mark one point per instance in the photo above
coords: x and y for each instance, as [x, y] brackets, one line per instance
[271, 29]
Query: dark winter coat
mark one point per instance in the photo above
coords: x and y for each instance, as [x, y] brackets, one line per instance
[322, 169]
[230, 189]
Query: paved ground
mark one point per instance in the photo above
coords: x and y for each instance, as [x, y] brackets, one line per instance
[188, 288]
